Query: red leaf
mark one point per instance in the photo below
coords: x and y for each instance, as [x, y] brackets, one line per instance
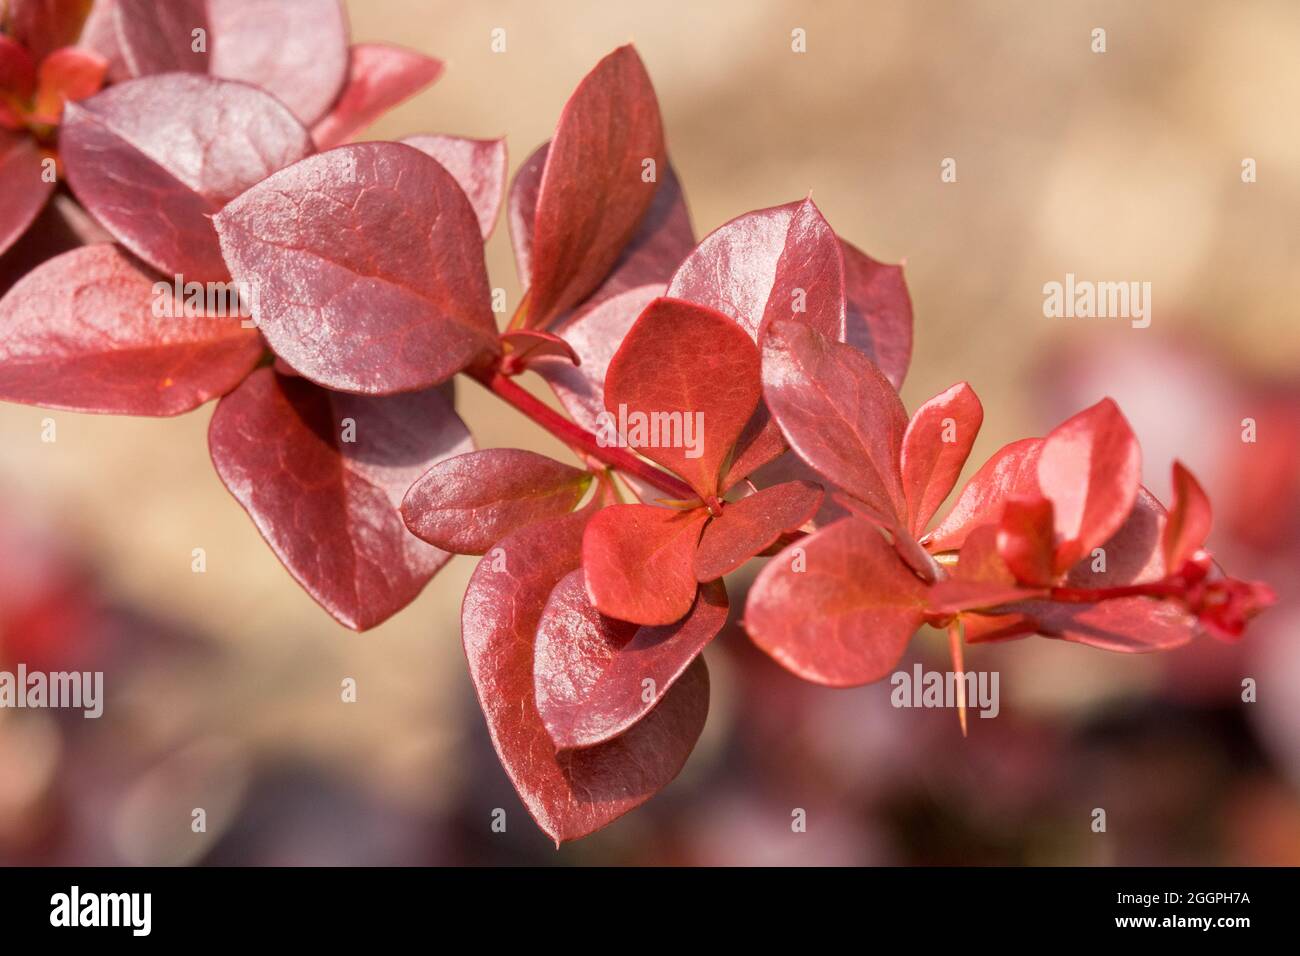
[1189, 518]
[935, 448]
[751, 525]
[17, 73]
[526, 346]
[81, 334]
[153, 159]
[327, 506]
[576, 792]
[1012, 471]
[1090, 467]
[479, 166]
[637, 559]
[379, 77]
[759, 444]
[100, 34]
[596, 676]
[368, 263]
[695, 366]
[521, 209]
[1129, 625]
[157, 36]
[1133, 554]
[845, 616]
[61, 227]
[45, 25]
[779, 263]
[592, 198]
[839, 413]
[468, 503]
[878, 319]
[1025, 540]
[26, 189]
[66, 76]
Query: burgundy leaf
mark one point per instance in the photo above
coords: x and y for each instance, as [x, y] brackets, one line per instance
[637, 559]
[596, 676]
[935, 448]
[81, 333]
[45, 25]
[878, 321]
[468, 503]
[1025, 540]
[838, 607]
[479, 166]
[593, 194]
[839, 413]
[153, 159]
[157, 36]
[1132, 555]
[322, 475]
[1188, 522]
[379, 77]
[17, 80]
[26, 190]
[779, 263]
[1129, 625]
[759, 444]
[576, 792]
[749, 526]
[1012, 471]
[521, 209]
[368, 263]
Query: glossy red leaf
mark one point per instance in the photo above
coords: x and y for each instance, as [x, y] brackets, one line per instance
[595, 676]
[1090, 468]
[838, 607]
[751, 525]
[1012, 471]
[154, 159]
[379, 77]
[368, 264]
[576, 792]
[592, 195]
[1188, 523]
[66, 76]
[81, 333]
[322, 475]
[1026, 540]
[158, 36]
[45, 25]
[839, 413]
[878, 317]
[638, 562]
[468, 503]
[935, 448]
[697, 367]
[26, 190]
[479, 166]
[779, 263]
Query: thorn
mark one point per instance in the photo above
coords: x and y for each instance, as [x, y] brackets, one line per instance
[955, 634]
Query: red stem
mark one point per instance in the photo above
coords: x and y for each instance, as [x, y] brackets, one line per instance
[578, 437]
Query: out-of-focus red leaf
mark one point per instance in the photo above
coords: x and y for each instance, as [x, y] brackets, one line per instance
[17, 72]
[878, 319]
[749, 526]
[61, 227]
[158, 36]
[839, 413]
[1188, 523]
[838, 607]
[1132, 555]
[26, 190]
[935, 448]
[44, 25]
[779, 263]
[154, 159]
[596, 676]
[66, 76]
[1025, 540]
[368, 264]
[1011, 471]
[81, 333]
[100, 34]
[322, 475]
[637, 560]
[592, 196]
[1090, 468]
[576, 792]
[526, 346]
[468, 503]
[696, 366]
[379, 77]
[479, 165]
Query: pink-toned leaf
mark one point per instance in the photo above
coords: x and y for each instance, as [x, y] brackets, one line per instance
[44, 25]
[81, 333]
[878, 319]
[154, 159]
[1090, 468]
[838, 607]
[695, 366]
[1130, 625]
[1012, 471]
[468, 503]
[935, 448]
[25, 191]
[100, 34]
[526, 346]
[479, 165]
[592, 196]
[1132, 555]
[17, 72]
[521, 209]
[839, 413]
[158, 36]
[1025, 540]
[576, 792]
[1189, 519]
[322, 475]
[67, 75]
[379, 77]
[751, 525]
[595, 676]
[637, 560]
[368, 263]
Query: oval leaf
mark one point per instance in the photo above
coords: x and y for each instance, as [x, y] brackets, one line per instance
[935, 448]
[751, 525]
[157, 36]
[1189, 519]
[379, 77]
[878, 317]
[1012, 471]
[479, 166]
[26, 189]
